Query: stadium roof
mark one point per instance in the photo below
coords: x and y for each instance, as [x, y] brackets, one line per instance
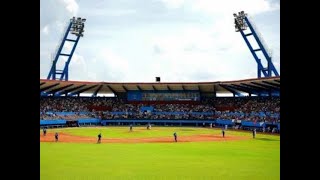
[252, 86]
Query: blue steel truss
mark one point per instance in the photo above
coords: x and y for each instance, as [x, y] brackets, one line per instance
[71, 29]
[241, 24]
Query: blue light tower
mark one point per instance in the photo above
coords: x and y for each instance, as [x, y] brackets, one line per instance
[241, 24]
[76, 28]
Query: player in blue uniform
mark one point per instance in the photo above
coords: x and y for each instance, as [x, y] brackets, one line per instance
[130, 127]
[175, 137]
[99, 138]
[223, 132]
[56, 136]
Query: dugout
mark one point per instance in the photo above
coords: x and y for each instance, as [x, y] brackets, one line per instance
[72, 123]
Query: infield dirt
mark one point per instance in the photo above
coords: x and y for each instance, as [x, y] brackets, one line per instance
[68, 138]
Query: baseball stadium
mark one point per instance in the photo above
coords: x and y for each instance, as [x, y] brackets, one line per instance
[160, 130]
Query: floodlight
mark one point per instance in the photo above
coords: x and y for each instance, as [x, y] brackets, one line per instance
[77, 26]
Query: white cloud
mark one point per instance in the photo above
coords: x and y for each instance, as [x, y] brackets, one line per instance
[183, 66]
[224, 7]
[45, 30]
[78, 68]
[233, 6]
[113, 12]
[205, 50]
[191, 38]
[68, 46]
[61, 26]
[173, 3]
[111, 65]
[72, 6]
[113, 60]
[56, 12]
[92, 76]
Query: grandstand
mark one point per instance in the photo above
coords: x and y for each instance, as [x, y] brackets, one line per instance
[255, 103]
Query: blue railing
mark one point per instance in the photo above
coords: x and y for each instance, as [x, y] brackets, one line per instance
[52, 122]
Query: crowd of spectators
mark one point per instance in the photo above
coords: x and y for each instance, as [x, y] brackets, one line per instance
[256, 109]
[68, 117]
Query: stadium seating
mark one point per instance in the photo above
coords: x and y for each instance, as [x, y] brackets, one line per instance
[251, 109]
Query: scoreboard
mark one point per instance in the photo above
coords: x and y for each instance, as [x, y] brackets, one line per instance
[163, 96]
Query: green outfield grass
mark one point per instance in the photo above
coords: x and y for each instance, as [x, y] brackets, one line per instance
[247, 159]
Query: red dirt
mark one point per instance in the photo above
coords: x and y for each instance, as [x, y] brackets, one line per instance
[64, 137]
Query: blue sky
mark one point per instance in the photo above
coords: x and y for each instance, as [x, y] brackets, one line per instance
[178, 40]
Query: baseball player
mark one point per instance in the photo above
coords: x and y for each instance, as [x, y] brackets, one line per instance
[223, 133]
[254, 133]
[44, 131]
[56, 136]
[99, 138]
[130, 127]
[175, 137]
